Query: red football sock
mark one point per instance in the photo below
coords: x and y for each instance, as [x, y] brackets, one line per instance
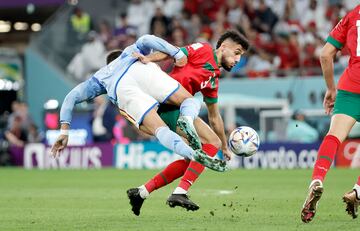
[358, 182]
[168, 175]
[326, 154]
[195, 169]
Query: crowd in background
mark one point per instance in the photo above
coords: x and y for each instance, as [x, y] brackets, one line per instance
[286, 35]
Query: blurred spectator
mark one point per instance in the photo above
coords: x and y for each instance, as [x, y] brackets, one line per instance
[20, 109]
[105, 31]
[123, 30]
[259, 64]
[315, 13]
[139, 13]
[16, 134]
[103, 119]
[311, 63]
[90, 58]
[80, 23]
[171, 8]
[178, 37]
[298, 130]
[34, 135]
[288, 52]
[265, 19]
[235, 13]
[159, 24]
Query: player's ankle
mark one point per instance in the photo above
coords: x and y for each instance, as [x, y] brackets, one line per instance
[144, 193]
[179, 190]
[357, 191]
[316, 180]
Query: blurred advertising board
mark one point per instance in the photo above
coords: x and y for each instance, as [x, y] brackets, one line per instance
[349, 154]
[37, 155]
[279, 156]
[143, 155]
[152, 155]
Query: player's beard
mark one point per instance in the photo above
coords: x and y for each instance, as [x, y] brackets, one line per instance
[225, 65]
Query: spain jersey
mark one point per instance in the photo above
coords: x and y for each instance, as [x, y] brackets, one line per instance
[201, 73]
[347, 34]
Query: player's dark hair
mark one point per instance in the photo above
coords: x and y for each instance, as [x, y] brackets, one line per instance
[113, 55]
[234, 36]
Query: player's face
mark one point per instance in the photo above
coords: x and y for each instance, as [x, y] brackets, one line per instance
[231, 54]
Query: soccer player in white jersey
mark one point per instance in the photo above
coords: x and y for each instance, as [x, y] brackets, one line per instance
[137, 89]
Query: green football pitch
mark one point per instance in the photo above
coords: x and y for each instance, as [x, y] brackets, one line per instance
[236, 200]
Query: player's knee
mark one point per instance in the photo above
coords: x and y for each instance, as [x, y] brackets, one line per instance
[216, 142]
[338, 135]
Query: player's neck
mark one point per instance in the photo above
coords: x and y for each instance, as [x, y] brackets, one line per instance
[218, 56]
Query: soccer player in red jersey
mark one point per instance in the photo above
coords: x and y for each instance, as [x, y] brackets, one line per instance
[344, 104]
[200, 74]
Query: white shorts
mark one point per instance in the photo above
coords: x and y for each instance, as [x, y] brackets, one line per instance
[142, 88]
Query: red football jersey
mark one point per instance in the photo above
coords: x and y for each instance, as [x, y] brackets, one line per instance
[201, 73]
[347, 33]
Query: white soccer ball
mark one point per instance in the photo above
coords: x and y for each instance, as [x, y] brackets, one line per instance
[244, 141]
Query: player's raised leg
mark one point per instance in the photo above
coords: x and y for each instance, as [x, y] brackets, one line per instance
[339, 129]
[189, 110]
[352, 200]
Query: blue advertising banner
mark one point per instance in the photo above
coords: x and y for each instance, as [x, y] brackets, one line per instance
[145, 155]
[151, 155]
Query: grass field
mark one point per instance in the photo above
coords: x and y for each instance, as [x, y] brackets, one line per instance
[236, 200]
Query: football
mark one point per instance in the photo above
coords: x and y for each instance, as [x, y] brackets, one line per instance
[244, 141]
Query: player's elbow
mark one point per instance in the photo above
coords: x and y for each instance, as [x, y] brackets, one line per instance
[328, 53]
[145, 39]
[325, 57]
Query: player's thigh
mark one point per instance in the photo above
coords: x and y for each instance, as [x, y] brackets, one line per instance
[346, 113]
[169, 114]
[341, 125]
[152, 121]
[156, 82]
[179, 96]
[134, 104]
[206, 134]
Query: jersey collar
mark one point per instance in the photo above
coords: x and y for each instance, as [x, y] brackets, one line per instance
[215, 57]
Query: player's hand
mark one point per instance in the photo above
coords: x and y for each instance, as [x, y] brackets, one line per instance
[181, 62]
[142, 58]
[226, 153]
[329, 100]
[59, 145]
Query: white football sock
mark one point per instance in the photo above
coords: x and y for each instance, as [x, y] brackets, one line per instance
[143, 192]
[316, 180]
[179, 190]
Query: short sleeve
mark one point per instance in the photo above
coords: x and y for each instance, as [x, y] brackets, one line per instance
[195, 50]
[337, 36]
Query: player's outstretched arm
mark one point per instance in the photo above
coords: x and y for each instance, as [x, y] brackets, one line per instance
[84, 91]
[217, 124]
[148, 43]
